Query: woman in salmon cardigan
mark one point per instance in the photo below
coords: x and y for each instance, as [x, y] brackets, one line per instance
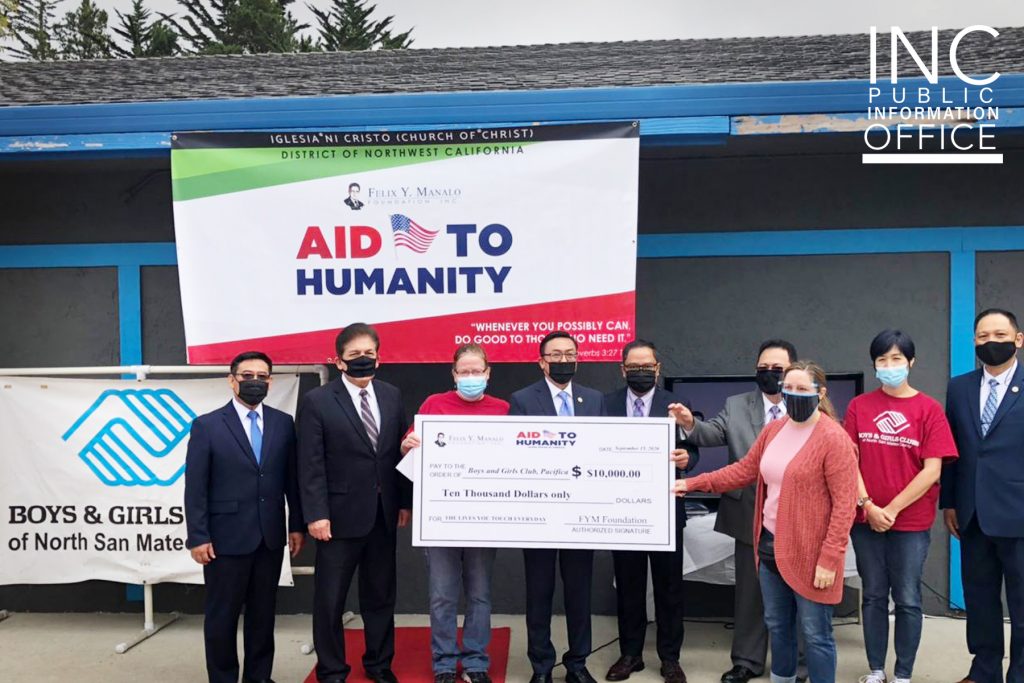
[805, 466]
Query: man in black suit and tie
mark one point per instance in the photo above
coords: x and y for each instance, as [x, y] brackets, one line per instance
[982, 491]
[350, 434]
[642, 397]
[239, 470]
[352, 200]
[556, 394]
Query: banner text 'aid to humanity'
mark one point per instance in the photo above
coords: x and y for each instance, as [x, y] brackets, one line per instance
[437, 238]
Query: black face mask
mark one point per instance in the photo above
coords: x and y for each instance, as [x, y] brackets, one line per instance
[641, 381]
[995, 353]
[561, 373]
[252, 391]
[769, 381]
[360, 367]
[800, 407]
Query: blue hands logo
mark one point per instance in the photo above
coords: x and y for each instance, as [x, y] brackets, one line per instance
[130, 433]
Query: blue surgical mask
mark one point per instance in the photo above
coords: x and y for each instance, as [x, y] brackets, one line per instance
[471, 387]
[893, 377]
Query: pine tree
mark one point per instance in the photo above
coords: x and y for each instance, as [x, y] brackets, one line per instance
[143, 37]
[7, 9]
[32, 26]
[347, 25]
[239, 26]
[83, 34]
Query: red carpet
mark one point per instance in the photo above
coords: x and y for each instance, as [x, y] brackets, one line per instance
[412, 655]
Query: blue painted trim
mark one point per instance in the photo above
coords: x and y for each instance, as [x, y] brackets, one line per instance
[423, 109]
[133, 592]
[55, 144]
[963, 302]
[962, 307]
[658, 131]
[88, 255]
[801, 242]
[129, 313]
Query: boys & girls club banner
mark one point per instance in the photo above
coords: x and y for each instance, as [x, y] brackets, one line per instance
[93, 483]
[437, 238]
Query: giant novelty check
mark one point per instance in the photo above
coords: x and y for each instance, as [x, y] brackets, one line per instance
[544, 482]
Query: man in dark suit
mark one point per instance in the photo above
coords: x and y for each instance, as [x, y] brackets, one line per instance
[558, 395]
[350, 434]
[642, 397]
[352, 200]
[737, 427]
[981, 494]
[239, 470]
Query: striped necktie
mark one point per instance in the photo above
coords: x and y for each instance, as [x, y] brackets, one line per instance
[991, 404]
[638, 407]
[367, 416]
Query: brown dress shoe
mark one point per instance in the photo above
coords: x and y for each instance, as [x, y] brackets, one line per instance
[621, 669]
[672, 672]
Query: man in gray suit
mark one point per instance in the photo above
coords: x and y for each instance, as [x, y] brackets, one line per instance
[737, 426]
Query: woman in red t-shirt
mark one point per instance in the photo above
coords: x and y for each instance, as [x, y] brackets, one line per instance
[452, 569]
[903, 438]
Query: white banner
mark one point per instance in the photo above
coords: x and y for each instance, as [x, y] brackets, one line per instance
[544, 482]
[437, 238]
[92, 476]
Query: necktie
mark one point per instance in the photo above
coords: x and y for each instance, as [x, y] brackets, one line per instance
[638, 407]
[564, 410]
[255, 435]
[991, 403]
[367, 416]
[773, 413]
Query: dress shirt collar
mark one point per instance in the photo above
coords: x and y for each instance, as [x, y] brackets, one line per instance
[243, 410]
[1003, 378]
[647, 399]
[768, 405]
[354, 390]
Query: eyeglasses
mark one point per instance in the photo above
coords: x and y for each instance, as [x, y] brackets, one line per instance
[776, 368]
[558, 356]
[470, 373]
[640, 368]
[249, 376]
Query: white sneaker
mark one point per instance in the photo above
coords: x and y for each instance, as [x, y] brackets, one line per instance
[901, 680]
[874, 677]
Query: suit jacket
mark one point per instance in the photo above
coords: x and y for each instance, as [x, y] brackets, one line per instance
[230, 500]
[536, 400]
[340, 473]
[737, 427]
[615, 403]
[987, 479]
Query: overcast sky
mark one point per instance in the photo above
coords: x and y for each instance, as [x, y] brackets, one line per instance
[466, 23]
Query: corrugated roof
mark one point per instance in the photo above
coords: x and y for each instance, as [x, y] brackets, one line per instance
[571, 65]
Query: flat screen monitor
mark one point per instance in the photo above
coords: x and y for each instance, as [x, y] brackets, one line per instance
[707, 397]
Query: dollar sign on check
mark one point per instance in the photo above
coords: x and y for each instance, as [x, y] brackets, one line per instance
[576, 471]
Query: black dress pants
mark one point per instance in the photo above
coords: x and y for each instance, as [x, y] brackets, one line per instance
[234, 582]
[336, 563]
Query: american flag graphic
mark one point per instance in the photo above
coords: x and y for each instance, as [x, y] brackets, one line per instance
[410, 234]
